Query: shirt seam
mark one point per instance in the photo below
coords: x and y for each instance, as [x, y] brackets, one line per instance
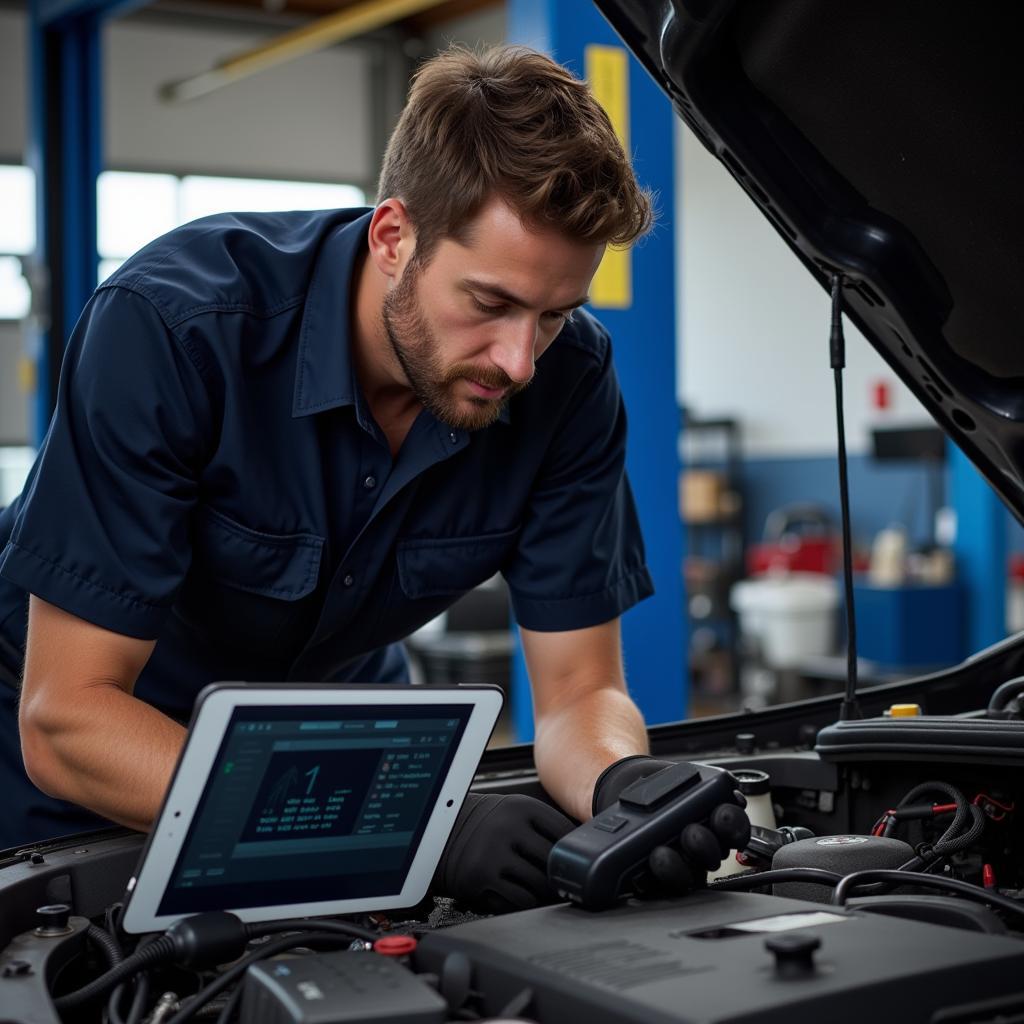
[173, 320]
[131, 281]
[522, 595]
[433, 543]
[262, 312]
[148, 606]
[172, 252]
[278, 540]
[195, 358]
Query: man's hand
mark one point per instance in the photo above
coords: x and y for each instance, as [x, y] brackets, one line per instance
[496, 860]
[624, 772]
[678, 867]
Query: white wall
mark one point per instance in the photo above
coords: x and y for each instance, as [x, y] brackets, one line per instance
[308, 119]
[13, 115]
[13, 84]
[486, 27]
[754, 325]
[13, 401]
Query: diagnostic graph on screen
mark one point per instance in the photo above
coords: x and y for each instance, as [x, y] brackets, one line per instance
[305, 794]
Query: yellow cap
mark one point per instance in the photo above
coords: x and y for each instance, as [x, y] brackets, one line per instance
[905, 710]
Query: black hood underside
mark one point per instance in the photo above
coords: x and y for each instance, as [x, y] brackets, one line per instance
[885, 141]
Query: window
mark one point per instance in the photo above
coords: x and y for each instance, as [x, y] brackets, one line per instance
[134, 208]
[201, 196]
[17, 238]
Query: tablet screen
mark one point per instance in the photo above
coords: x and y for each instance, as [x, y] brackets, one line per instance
[305, 804]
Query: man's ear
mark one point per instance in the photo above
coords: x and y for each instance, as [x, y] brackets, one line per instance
[391, 238]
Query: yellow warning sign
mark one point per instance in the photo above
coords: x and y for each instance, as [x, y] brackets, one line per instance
[607, 71]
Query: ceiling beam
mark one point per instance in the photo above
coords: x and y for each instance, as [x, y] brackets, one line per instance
[335, 28]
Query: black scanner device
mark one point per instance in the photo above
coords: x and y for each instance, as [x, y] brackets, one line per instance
[603, 858]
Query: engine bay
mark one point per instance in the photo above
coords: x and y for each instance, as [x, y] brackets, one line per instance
[887, 881]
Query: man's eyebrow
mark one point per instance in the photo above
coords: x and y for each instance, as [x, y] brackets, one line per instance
[472, 284]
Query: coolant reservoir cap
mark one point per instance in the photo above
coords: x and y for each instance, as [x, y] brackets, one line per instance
[905, 710]
[751, 781]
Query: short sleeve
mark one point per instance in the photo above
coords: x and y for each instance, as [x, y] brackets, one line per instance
[580, 557]
[103, 527]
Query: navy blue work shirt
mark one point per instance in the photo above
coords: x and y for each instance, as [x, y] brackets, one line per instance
[213, 479]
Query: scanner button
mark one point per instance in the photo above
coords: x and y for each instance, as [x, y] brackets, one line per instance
[609, 822]
[661, 785]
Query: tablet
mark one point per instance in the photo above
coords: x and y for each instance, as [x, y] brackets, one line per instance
[302, 800]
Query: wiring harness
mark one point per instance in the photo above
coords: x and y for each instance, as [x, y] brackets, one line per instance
[958, 836]
[200, 942]
[961, 834]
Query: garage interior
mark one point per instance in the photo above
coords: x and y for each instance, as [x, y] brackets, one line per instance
[734, 484]
[125, 119]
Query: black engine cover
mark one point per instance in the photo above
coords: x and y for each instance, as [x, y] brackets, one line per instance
[704, 960]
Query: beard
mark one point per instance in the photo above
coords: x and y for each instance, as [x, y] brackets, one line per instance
[418, 352]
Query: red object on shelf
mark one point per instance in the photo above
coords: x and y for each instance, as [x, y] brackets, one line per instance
[794, 554]
[800, 538]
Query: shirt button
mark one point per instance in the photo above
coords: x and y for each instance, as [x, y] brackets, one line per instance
[370, 482]
[349, 580]
[453, 437]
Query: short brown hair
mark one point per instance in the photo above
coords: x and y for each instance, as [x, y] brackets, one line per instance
[510, 122]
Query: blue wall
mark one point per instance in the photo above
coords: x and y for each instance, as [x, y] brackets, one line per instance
[655, 631]
[881, 494]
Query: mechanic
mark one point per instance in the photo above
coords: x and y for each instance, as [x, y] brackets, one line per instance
[283, 442]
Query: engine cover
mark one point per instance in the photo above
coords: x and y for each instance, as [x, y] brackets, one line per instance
[709, 959]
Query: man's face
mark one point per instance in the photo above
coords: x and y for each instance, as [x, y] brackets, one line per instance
[467, 328]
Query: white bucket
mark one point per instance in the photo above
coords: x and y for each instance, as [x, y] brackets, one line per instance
[791, 617]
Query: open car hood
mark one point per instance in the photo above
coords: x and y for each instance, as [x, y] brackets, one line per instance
[884, 141]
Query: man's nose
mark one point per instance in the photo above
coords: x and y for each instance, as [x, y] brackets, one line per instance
[513, 351]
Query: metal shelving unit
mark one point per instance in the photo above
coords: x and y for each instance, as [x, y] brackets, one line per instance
[711, 509]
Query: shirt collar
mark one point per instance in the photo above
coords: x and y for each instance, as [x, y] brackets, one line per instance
[324, 375]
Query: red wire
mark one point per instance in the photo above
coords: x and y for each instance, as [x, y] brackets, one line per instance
[981, 800]
[994, 802]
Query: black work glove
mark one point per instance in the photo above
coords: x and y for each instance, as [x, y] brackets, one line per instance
[682, 865]
[679, 867]
[496, 860]
[616, 777]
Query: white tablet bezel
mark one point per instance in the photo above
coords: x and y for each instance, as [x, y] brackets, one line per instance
[213, 711]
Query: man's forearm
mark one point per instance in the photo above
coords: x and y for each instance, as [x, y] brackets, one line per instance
[578, 740]
[113, 754]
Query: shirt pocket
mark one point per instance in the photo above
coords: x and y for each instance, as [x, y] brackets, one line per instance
[451, 566]
[249, 591]
[281, 566]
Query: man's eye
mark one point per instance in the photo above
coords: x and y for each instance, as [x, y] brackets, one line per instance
[489, 310]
